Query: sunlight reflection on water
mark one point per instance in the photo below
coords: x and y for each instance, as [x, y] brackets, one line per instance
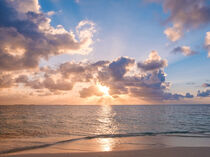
[107, 126]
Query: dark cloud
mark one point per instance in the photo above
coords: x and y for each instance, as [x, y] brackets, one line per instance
[206, 85]
[154, 88]
[188, 95]
[169, 96]
[119, 67]
[154, 62]
[27, 36]
[204, 93]
[185, 50]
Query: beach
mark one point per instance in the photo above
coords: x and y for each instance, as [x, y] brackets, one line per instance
[162, 152]
[147, 146]
[105, 131]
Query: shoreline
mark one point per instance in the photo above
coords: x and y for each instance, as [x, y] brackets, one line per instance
[156, 152]
[96, 145]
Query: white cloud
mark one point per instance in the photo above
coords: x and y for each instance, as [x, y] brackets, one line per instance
[174, 33]
[207, 43]
[24, 6]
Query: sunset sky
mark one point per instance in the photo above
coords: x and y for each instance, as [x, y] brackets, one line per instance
[104, 52]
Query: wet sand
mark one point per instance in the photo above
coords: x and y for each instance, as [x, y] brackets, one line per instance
[153, 146]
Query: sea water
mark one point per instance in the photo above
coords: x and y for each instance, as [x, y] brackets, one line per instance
[25, 127]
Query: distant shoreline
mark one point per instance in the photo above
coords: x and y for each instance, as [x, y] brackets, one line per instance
[100, 104]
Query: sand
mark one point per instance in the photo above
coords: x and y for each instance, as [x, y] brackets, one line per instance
[161, 152]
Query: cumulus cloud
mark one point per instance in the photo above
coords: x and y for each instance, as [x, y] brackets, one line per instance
[154, 62]
[149, 84]
[90, 91]
[24, 6]
[174, 33]
[184, 15]
[27, 36]
[185, 50]
[207, 42]
[123, 76]
[188, 95]
[204, 93]
[119, 67]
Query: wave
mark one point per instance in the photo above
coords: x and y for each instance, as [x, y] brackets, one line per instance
[175, 133]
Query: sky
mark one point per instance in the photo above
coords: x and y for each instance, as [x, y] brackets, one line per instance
[104, 52]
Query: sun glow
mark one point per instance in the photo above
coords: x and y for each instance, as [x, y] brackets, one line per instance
[103, 89]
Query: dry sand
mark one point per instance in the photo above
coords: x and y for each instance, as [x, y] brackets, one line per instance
[162, 152]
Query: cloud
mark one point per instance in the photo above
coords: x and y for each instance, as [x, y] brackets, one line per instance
[85, 71]
[47, 83]
[59, 84]
[70, 68]
[24, 6]
[204, 93]
[184, 16]
[174, 33]
[207, 43]
[119, 67]
[206, 85]
[6, 81]
[90, 91]
[123, 76]
[188, 95]
[154, 62]
[22, 79]
[51, 13]
[27, 36]
[154, 88]
[149, 84]
[185, 50]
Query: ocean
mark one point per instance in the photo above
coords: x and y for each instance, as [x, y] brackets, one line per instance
[27, 127]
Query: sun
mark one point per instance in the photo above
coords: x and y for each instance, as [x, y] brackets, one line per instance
[103, 89]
